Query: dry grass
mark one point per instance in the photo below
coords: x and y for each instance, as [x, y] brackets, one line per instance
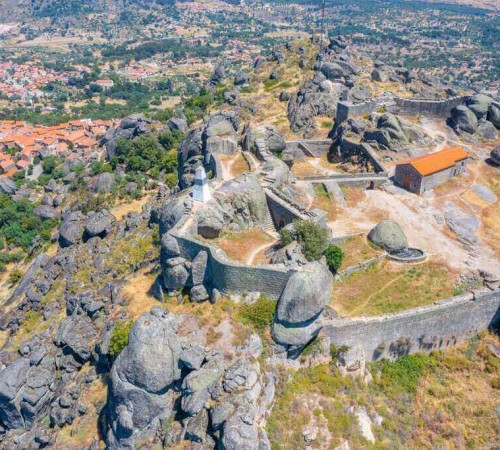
[356, 250]
[239, 246]
[353, 195]
[236, 164]
[137, 292]
[456, 406]
[323, 201]
[304, 168]
[120, 211]
[388, 287]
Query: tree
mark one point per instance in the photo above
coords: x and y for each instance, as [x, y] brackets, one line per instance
[334, 257]
[313, 238]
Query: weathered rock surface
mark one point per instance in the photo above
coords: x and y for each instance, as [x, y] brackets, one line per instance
[129, 128]
[46, 212]
[7, 186]
[99, 224]
[305, 295]
[464, 119]
[388, 235]
[479, 105]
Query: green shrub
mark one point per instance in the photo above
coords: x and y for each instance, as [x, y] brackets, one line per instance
[334, 257]
[14, 276]
[259, 314]
[285, 237]
[404, 373]
[313, 237]
[119, 338]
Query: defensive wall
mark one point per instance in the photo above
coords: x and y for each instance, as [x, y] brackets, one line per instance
[230, 277]
[437, 326]
[413, 107]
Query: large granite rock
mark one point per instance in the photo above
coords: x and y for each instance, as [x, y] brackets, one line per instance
[273, 139]
[494, 115]
[243, 201]
[479, 105]
[241, 78]
[306, 294]
[7, 186]
[46, 212]
[142, 378]
[71, 231]
[99, 224]
[388, 235]
[129, 128]
[463, 119]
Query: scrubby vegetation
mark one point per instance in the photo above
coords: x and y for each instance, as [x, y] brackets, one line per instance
[259, 314]
[313, 238]
[443, 399]
[119, 337]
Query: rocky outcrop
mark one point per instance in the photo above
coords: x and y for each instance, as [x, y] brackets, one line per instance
[71, 231]
[241, 78]
[242, 201]
[268, 136]
[389, 236]
[129, 128]
[46, 212]
[479, 105]
[99, 224]
[316, 97]
[7, 186]
[223, 404]
[305, 296]
[463, 119]
[217, 134]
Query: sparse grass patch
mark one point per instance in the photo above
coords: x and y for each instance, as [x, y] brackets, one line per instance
[119, 337]
[387, 287]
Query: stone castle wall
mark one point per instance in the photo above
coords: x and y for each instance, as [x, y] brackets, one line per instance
[437, 326]
[230, 277]
[440, 109]
[412, 107]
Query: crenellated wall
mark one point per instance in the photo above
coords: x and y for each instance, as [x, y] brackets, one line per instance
[437, 326]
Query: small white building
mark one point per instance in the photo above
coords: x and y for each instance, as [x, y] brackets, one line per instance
[201, 190]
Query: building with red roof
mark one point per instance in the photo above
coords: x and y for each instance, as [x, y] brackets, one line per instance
[425, 172]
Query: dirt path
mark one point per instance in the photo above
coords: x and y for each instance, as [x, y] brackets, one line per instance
[251, 256]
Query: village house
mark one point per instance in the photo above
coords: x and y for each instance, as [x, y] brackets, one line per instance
[425, 172]
[105, 83]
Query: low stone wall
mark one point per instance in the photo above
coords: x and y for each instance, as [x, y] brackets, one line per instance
[437, 326]
[348, 109]
[315, 149]
[230, 277]
[361, 266]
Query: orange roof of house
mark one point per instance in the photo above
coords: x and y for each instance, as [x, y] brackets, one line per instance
[435, 162]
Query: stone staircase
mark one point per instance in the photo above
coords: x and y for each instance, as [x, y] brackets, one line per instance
[269, 227]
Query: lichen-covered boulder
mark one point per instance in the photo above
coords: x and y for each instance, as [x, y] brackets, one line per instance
[243, 200]
[99, 224]
[306, 294]
[142, 377]
[494, 115]
[464, 119]
[240, 78]
[388, 235]
[495, 155]
[479, 105]
[7, 186]
[46, 212]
